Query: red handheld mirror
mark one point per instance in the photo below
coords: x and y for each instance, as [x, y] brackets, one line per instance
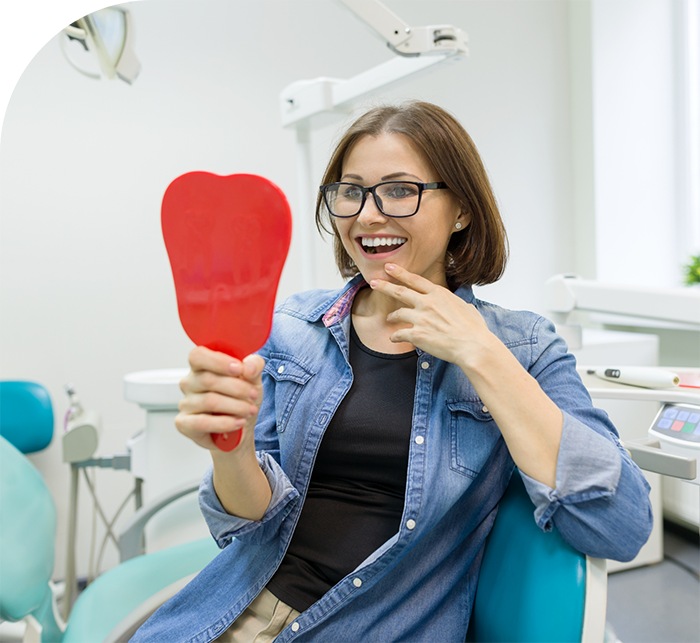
[227, 238]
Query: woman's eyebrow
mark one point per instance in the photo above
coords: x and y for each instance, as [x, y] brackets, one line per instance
[397, 175]
[388, 177]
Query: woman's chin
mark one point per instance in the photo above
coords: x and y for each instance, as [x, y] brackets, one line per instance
[376, 272]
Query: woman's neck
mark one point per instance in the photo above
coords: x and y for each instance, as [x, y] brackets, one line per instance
[369, 312]
[371, 303]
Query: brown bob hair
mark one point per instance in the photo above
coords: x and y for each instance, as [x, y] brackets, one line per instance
[475, 255]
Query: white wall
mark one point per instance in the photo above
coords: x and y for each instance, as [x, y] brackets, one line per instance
[637, 134]
[86, 294]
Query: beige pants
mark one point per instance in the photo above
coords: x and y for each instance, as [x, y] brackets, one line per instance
[261, 622]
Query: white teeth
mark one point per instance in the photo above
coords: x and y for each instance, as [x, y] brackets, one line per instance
[371, 242]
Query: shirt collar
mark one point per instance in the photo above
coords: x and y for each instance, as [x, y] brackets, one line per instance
[343, 305]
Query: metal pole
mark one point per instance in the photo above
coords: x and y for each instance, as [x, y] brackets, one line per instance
[138, 499]
[70, 581]
[306, 206]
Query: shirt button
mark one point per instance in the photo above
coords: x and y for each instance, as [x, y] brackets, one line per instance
[295, 627]
[484, 409]
[425, 365]
[357, 582]
[280, 369]
[411, 524]
[420, 439]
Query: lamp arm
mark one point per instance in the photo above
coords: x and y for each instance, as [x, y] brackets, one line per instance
[381, 19]
[403, 39]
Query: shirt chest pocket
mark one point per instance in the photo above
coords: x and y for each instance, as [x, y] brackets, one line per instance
[473, 434]
[290, 376]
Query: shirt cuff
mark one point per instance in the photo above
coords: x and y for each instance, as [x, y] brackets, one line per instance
[588, 467]
[224, 527]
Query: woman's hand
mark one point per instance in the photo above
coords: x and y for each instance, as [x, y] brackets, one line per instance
[452, 330]
[222, 394]
[441, 323]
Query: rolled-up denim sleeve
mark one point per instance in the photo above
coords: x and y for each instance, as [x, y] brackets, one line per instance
[588, 467]
[600, 503]
[224, 527]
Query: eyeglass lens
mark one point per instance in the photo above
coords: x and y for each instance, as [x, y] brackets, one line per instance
[394, 198]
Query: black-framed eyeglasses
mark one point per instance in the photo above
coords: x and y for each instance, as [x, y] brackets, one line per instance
[393, 198]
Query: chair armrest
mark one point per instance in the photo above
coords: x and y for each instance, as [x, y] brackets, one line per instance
[127, 627]
[130, 538]
[596, 601]
[647, 455]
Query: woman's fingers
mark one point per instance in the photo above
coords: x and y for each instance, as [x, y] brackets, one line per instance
[212, 371]
[414, 282]
[252, 368]
[218, 404]
[206, 413]
[410, 289]
[221, 394]
[203, 424]
[204, 359]
[199, 428]
[438, 321]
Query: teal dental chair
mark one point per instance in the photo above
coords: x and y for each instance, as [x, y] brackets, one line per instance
[113, 604]
[533, 587]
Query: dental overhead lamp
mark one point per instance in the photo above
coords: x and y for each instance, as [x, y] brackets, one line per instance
[101, 44]
[417, 49]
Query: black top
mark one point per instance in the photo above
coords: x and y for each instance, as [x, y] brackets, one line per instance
[357, 488]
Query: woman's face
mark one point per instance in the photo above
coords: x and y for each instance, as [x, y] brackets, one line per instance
[422, 238]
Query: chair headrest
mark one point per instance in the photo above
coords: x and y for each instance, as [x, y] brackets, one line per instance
[26, 415]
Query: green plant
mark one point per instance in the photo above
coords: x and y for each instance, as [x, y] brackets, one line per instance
[692, 270]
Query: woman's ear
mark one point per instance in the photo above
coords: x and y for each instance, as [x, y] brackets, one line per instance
[462, 221]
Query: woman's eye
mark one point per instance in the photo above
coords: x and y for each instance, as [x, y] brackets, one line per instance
[400, 191]
[351, 192]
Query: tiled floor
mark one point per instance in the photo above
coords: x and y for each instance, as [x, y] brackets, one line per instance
[659, 603]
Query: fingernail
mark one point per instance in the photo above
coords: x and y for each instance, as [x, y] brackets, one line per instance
[253, 393]
[373, 283]
[389, 267]
[235, 368]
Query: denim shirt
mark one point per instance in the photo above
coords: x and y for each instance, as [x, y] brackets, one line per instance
[420, 585]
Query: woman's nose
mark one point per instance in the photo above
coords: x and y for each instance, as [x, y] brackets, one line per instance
[370, 212]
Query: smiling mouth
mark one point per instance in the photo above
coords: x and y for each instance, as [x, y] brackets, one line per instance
[381, 245]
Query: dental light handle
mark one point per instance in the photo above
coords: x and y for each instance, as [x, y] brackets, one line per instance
[647, 377]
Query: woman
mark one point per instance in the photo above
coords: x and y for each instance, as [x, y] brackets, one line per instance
[389, 416]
